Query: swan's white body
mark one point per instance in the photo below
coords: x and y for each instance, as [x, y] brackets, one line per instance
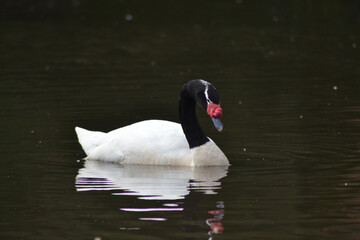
[153, 142]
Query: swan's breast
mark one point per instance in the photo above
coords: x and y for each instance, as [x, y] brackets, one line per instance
[208, 154]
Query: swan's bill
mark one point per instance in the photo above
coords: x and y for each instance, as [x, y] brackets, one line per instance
[218, 124]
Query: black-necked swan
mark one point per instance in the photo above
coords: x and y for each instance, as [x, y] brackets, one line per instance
[160, 142]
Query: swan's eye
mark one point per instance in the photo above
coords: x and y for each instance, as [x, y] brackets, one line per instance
[206, 94]
[211, 95]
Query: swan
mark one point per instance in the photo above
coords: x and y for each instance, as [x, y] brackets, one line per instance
[161, 142]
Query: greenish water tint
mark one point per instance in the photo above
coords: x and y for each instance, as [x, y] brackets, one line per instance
[289, 77]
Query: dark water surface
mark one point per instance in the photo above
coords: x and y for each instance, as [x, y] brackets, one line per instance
[289, 76]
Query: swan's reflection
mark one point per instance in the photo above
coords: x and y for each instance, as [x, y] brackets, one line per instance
[149, 182]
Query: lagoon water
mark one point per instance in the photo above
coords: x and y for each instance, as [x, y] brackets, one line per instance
[289, 77]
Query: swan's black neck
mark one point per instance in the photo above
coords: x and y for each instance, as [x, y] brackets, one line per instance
[190, 125]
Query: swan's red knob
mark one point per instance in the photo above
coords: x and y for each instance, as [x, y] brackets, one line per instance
[214, 110]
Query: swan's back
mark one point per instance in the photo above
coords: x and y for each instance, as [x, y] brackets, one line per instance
[148, 142]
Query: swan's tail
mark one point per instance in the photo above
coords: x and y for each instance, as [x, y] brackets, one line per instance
[89, 140]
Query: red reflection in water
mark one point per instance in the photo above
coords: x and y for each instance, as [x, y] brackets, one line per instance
[215, 224]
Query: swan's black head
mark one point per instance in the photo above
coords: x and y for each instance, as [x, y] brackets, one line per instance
[208, 98]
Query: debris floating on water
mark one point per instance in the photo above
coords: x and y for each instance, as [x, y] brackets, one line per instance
[128, 17]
